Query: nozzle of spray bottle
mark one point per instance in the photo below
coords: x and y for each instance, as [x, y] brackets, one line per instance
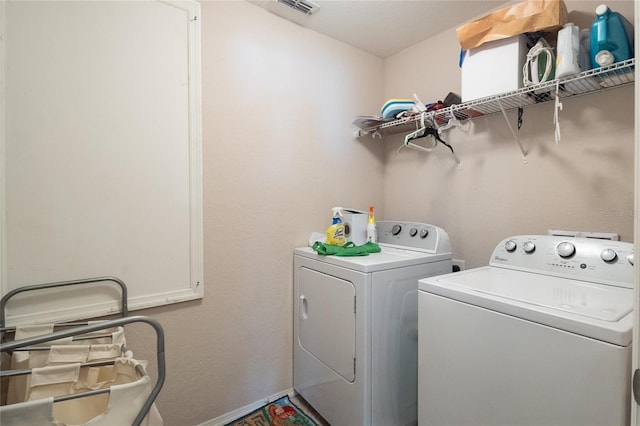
[372, 234]
[336, 212]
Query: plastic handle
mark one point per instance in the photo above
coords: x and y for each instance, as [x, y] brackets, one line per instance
[601, 30]
[636, 386]
[304, 307]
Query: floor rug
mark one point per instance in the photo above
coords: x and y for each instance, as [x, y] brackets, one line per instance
[277, 413]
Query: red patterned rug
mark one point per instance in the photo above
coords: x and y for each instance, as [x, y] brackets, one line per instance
[277, 413]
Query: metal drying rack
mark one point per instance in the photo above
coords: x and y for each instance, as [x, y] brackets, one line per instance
[76, 330]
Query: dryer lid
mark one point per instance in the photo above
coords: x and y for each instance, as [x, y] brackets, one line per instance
[389, 258]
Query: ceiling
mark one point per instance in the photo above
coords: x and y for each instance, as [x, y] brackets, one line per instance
[383, 27]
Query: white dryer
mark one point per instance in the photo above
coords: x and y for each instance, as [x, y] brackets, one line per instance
[541, 336]
[356, 325]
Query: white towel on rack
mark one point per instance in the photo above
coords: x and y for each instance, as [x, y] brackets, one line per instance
[128, 393]
[31, 330]
[17, 388]
[63, 354]
[57, 355]
[53, 380]
[110, 335]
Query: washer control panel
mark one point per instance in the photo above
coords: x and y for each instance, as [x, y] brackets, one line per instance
[415, 235]
[587, 259]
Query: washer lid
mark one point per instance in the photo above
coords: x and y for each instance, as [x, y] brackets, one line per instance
[598, 311]
[389, 258]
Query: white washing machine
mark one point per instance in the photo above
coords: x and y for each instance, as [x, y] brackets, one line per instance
[541, 336]
[356, 325]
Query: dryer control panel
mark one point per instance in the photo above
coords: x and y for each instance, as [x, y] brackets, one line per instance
[414, 235]
[586, 259]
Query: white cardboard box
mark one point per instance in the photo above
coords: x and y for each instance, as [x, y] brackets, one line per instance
[356, 222]
[493, 68]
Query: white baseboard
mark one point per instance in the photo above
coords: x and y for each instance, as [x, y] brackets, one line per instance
[243, 411]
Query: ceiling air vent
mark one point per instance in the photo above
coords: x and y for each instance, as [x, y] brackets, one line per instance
[305, 6]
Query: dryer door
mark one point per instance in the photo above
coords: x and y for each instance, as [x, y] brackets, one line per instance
[327, 320]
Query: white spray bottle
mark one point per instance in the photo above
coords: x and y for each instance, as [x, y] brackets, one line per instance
[372, 233]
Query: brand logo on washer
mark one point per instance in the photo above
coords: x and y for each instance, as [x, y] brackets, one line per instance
[501, 259]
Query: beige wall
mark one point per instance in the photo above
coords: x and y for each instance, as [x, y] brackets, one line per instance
[584, 183]
[278, 101]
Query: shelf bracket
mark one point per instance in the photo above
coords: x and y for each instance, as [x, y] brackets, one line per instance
[556, 113]
[513, 132]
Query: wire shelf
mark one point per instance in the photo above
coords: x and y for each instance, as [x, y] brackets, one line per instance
[594, 80]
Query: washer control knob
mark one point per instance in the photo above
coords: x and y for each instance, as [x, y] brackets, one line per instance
[424, 233]
[630, 259]
[510, 246]
[413, 232]
[396, 229]
[608, 255]
[529, 247]
[566, 249]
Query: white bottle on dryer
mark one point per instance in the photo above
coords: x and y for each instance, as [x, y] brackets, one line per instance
[372, 232]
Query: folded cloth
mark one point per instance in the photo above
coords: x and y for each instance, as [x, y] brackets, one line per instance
[349, 249]
[392, 109]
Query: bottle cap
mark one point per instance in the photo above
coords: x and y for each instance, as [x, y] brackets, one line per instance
[601, 10]
[604, 57]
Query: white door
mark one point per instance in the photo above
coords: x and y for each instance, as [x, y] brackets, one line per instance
[327, 321]
[635, 418]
